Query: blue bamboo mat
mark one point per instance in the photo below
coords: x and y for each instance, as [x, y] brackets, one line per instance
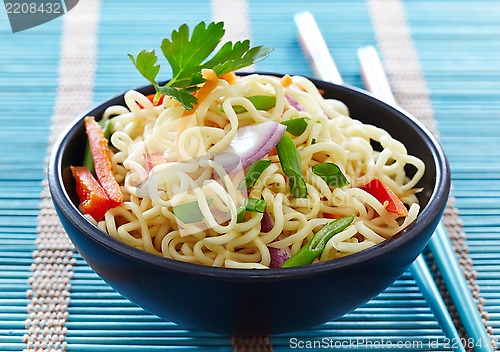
[459, 46]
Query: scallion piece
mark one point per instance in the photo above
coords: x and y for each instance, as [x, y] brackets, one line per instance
[253, 173]
[331, 174]
[314, 248]
[240, 214]
[290, 163]
[261, 102]
[296, 126]
[251, 204]
[189, 212]
[255, 205]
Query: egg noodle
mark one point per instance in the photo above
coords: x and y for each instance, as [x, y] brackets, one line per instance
[188, 143]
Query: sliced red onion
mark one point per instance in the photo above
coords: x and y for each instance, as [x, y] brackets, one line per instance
[278, 256]
[267, 223]
[294, 103]
[251, 143]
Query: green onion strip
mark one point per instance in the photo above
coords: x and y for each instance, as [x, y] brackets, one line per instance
[253, 173]
[314, 248]
[291, 164]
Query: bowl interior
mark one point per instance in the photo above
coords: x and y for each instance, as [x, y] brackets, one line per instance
[362, 106]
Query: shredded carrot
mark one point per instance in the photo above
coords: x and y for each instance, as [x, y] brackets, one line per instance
[211, 82]
[286, 81]
[331, 216]
[208, 87]
[229, 77]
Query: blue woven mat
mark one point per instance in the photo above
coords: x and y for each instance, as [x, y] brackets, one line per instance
[459, 46]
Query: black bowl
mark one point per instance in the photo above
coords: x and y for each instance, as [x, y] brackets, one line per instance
[256, 302]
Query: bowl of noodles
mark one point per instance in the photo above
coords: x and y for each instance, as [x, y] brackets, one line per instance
[277, 204]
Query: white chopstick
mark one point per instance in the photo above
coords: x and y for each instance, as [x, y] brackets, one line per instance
[376, 81]
[316, 50]
[373, 74]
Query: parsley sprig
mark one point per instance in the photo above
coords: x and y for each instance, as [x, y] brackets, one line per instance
[188, 56]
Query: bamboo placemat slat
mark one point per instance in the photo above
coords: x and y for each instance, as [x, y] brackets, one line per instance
[457, 42]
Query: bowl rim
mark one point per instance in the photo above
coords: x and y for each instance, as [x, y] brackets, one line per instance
[427, 215]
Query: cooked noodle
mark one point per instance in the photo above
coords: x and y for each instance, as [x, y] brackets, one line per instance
[188, 141]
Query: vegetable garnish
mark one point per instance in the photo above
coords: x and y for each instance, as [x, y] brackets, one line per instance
[154, 159]
[251, 143]
[102, 161]
[296, 126]
[255, 205]
[93, 199]
[314, 248]
[189, 212]
[385, 196]
[152, 99]
[253, 173]
[290, 163]
[278, 256]
[267, 223]
[88, 161]
[240, 213]
[261, 102]
[251, 204]
[188, 56]
[331, 174]
[294, 103]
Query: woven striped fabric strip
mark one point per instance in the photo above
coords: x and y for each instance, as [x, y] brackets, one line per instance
[49, 296]
[53, 257]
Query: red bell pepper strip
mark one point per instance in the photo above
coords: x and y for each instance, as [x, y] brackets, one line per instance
[153, 159]
[93, 199]
[385, 196]
[102, 161]
[151, 98]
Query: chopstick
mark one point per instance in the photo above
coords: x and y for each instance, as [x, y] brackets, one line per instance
[318, 54]
[315, 48]
[376, 81]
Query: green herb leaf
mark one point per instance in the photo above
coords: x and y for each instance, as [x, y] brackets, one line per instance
[331, 174]
[186, 55]
[145, 62]
[233, 57]
[189, 55]
[183, 96]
